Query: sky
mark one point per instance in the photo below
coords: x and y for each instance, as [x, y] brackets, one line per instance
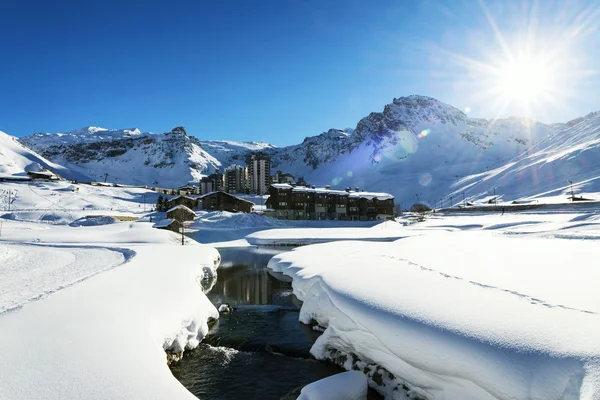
[282, 70]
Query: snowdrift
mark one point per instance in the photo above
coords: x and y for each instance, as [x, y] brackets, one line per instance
[444, 316]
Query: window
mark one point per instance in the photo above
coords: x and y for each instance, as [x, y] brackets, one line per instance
[282, 204]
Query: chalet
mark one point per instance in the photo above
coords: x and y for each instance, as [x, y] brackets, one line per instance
[302, 202]
[168, 224]
[45, 174]
[223, 201]
[187, 201]
[181, 213]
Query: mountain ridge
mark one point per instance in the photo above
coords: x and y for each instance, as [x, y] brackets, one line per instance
[417, 148]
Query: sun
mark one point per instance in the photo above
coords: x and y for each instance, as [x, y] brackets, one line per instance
[525, 80]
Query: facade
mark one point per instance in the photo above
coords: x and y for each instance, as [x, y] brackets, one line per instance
[211, 183]
[223, 201]
[259, 173]
[235, 178]
[300, 202]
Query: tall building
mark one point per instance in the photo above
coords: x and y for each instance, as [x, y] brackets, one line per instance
[259, 173]
[211, 183]
[235, 179]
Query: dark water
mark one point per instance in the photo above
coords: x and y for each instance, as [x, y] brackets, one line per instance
[259, 350]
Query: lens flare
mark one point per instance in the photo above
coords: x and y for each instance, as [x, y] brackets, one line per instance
[467, 110]
[425, 179]
[349, 173]
[377, 158]
[336, 181]
[424, 133]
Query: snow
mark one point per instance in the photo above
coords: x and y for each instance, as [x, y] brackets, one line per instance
[180, 207]
[385, 231]
[163, 223]
[136, 296]
[63, 202]
[350, 385]
[31, 272]
[16, 160]
[546, 169]
[469, 307]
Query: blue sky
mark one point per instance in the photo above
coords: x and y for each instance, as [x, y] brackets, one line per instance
[274, 70]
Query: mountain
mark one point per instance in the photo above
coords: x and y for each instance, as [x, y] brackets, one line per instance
[16, 160]
[418, 149]
[569, 154]
[131, 157]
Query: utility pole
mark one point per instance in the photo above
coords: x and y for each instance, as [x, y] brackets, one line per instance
[495, 202]
[105, 177]
[450, 201]
[464, 204]
[418, 201]
[570, 181]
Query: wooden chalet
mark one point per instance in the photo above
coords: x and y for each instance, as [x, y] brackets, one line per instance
[223, 201]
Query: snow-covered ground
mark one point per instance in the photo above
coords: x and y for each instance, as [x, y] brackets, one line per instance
[88, 310]
[384, 231]
[469, 306]
[63, 202]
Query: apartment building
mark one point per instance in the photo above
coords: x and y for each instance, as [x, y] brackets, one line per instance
[302, 202]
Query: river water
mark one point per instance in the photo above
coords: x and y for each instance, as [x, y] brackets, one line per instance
[259, 350]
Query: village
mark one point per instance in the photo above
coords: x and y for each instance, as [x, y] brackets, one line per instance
[284, 197]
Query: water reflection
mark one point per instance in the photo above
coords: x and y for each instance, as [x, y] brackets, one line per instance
[243, 279]
[259, 350]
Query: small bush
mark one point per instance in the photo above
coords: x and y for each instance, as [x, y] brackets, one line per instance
[420, 208]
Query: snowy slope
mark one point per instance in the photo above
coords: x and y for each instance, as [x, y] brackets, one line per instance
[129, 156]
[62, 202]
[570, 154]
[416, 149]
[16, 160]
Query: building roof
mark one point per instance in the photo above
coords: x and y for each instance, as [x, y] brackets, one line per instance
[228, 194]
[182, 197]
[181, 207]
[164, 223]
[366, 195]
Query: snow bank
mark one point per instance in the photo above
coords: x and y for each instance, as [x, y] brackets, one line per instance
[386, 231]
[456, 315]
[345, 386]
[105, 338]
[227, 220]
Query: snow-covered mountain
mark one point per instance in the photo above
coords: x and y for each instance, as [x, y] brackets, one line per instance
[131, 157]
[418, 148]
[16, 160]
[568, 154]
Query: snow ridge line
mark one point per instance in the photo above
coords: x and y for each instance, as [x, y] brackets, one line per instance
[532, 300]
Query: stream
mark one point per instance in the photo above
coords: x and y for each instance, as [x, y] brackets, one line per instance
[260, 350]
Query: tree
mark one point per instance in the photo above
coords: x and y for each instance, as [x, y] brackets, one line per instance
[160, 203]
[420, 208]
